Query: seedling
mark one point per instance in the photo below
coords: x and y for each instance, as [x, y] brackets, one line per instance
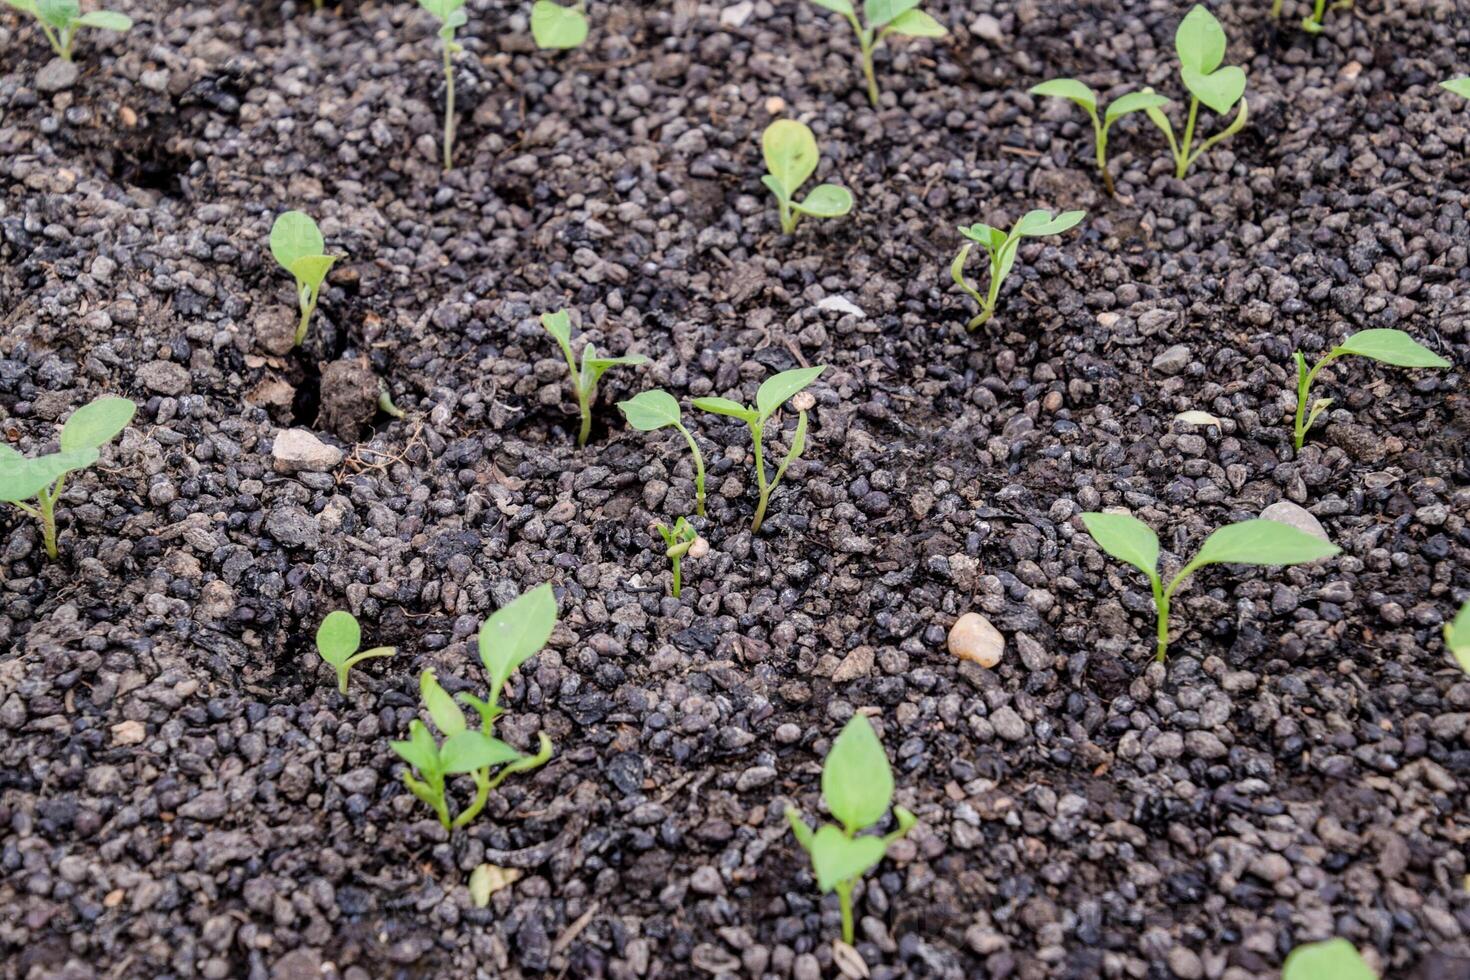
[649, 411]
[1460, 86]
[883, 17]
[1457, 637]
[858, 787]
[1254, 542]
[509, 638]
[791, 156]
[1387, 346]
[556, 27]
[60, 20]
[1312, 23]
[297, 244]
[337, 640]
[678, 540]
[1332, 959]
[585, 378]
[1075, 91]
[1002, 248]
[1200, 42]
[451, 16]
[774, 392]
[44, 477]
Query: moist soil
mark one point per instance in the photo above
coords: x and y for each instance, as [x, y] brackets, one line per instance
[183, 791]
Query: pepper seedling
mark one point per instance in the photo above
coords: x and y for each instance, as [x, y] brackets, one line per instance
[774, 392]
[649, 411]
[1457, 637]
[1312, 23]
[558, 28]
[791, 156]
[1200, 43]
[43, 478]
[1331, 959]
[451, 16]
[901, 18]
[60, 20]
[1002, 248]
[857, 784]
[1460, 86]
[298, 245]
[338, 639]
[679, 540]
[1387, 346]
[1075, 91]
[507, 639]
[585, 378]
[1253, 542]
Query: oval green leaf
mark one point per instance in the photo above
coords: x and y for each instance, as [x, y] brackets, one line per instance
[338, 637]
[469, 750]
[837, 858]
[556, 27]
[650, 410]
[775, 390]
[419, 750]
[1391, 347]
[443, 710]
[1133, 102]
[916, 23]
[1332, 959]
[826, 201]
[1127, 539]
[724, 406]
[1457, 637]
[1261, 542]
[58, 13]
[790, 151]
[879, 12]
[856, 781]
[97, 423]
[107, 20]
[1460, 86]
[1200, 41]
[514, 633]
[1219, 90]
[295, 236]
[1067, 88]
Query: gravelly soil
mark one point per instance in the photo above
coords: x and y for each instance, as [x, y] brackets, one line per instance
[185, 794]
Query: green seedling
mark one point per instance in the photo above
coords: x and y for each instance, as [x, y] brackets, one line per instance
[649, 411]
[774, 392]
[1457, 637]
[1384, 345]
[509, 638]
[1200, 42]
[60, 20]
[585, 378]
[451, 16]
[1312, 23]
[791, 156]
[1002, 248]
[1075, 91]
[297, 244]
[1255, 542]
[900, 18]
[679, 540]
[43, 478]
[338, 639]
[1331, 959]
[858, 787]
[1460, 86]
[556, 27]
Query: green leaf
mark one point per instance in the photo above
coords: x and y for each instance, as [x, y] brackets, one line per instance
[837, 858]
[837, 6]
[1038, 224]
[1333, 959]
[470, 750]
[724, 406]
[22, 479]
[559, 325]
[856, 781]
[799, 828]
[1200, 41]
[311, 269]
[557, 27]
[1127, 539]
[826, 201]
[1457, 637]
[594, 368]
[916, 23]
[420, 751]
[1219, 90]
[1261, 542]
[338, 637]
[513, 634]
[992, 238]
[1391, 347]
[96, 423]
[790, 151]
[107, 20]
[1460, 86]
[294, 235]
[650, 410]
[775, 187]
[442, 9]
[775, 390]
[442, 710]
[879, 12]
[29, 7]
[1067, 88]
[1133, 102]
[58, 13]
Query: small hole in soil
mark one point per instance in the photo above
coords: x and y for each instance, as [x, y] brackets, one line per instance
[307, 402]
[146, 162]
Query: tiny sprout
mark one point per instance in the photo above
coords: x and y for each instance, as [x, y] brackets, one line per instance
[1460, 86]
[791, 156]
[857, 784]
[44, 477]
[297, 244]
[1254, 542]
[338, 639]
[679, 541]
[556, 27]
[451, 16]
[1312, 23]
[1457, 637]
[1331, 959]
[60, 20]
[656, 409]
[883, 17]
[1200, 42]
[1387, 346]
[1002, 249]
[1075, 91]
[774, 392]
[585, 378]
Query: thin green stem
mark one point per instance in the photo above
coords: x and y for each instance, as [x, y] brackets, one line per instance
[788, 217]
[866, 43]
[760, 477]
[1276, 8]
[342, 669]
[584, 405]
[482, 795]
[698, 468]
[844, 901]
[308, 297]
[448, 106]
[678, 576]
[1181, 159]
[1161, 603]
[1100, 141]
[1303, 390]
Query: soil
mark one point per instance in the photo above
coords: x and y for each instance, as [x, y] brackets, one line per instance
[183, 791]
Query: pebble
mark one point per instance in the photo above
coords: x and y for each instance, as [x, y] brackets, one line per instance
[1172, 361]
[56, 75]
[299, 450]
[1294, 515]
[973, 638]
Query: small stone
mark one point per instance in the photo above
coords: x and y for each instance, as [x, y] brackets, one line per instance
[856, 664]
[56, 76]
[841, 304]
[973, 638]
[293, 527]
[128, 733]
[1172, 361]
[210, 805]
[1270, 867]
[737, 14]
[275, 329]
[1008, 725]
[1292, 515]
[164, 377]
[297, 450]
[987, 28]
[706, 880]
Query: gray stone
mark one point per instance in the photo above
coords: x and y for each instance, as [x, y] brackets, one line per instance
[1172, 361]
[298, 450]
[1292, 515]
[56, 76]
[164, 377]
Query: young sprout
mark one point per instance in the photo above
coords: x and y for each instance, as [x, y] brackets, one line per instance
[858, 787]
[1460, 86]
[791, 156]
[507, 639]
[60, 20]
[297, 244]
[337, 640]
[1457, 637]
[451, 16]
[680, 540]
[1200, 42]
[585, 378]
[556, 27]
[1075, 91]
[649, 411]
[1002, 248]
[1312, 23]
[44, 477]
[774, 392]
[1387, 346]
[883, 17]
[1254, 542]
[1331, 959]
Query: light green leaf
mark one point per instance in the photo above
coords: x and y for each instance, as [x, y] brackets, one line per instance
[96, 423]
[879, 12]
[1391, 347]
[1133, 102]
[594, 368]
[1127, 539]
[29, 7]
[338, 637]
[1200, 41]
[1460, 86]
[557, 27]
[775, 187]
[1457, 637]
[22, 479]
[992, 238]
[1261, 542]
[1333, 959]
[826, 201]
[420, 751]
[442, 9]
[775, 390]
[58, 13]
[837, 6]
[799, 828]
[1038, 224]
[916, 23]
[1067, 88]
[469, 750]
[650, 410]
[294, 235]
[513, 634]
[724, 406]
[1219, 90]
[790, 151]
[442, 710]
[107, 20]
[837, 858]
[559, 325]
[312, 269]
[856, 781]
